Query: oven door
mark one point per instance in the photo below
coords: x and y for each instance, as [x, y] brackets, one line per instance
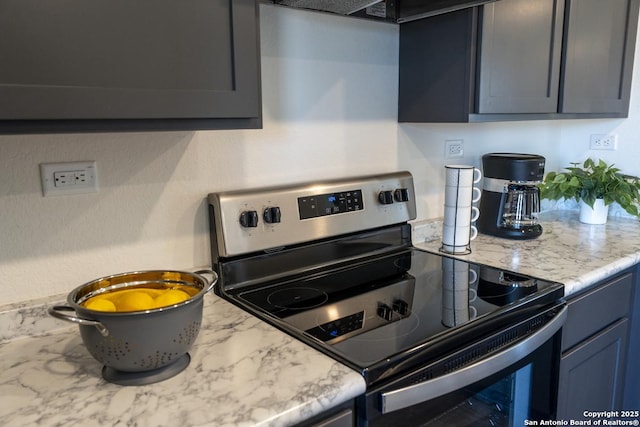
[505, 388]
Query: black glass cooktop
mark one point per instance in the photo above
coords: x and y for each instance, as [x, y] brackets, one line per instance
[395, 305]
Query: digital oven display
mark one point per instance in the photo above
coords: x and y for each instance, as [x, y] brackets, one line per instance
[339, 327]
[330, 204]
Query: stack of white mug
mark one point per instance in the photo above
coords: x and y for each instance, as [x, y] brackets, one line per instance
[459, 196]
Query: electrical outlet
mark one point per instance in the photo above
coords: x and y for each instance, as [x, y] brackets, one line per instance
[69, 178]
[454, 149]
[604, 142]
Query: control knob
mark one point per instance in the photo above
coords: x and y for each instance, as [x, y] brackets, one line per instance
[272, 215]
[401, 307]
[385, 197]
[249, 219]
[385, 311]
[401, 195]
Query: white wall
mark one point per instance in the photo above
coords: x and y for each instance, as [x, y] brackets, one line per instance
[329, 94]
[421, 146]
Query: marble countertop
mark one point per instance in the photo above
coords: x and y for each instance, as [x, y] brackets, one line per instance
[243, 372]
[568, 251]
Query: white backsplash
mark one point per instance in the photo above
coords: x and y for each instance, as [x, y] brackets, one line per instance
[330, 109]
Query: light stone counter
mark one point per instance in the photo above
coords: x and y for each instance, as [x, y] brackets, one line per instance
[568, 251]
[243, 372]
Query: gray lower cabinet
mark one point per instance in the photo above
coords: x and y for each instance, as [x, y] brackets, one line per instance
[341, 416]
[592, 374]
[594, 349]
[519, 60]
[122, 65]
[632, 383]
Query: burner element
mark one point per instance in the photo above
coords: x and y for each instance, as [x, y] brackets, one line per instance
[299, 298]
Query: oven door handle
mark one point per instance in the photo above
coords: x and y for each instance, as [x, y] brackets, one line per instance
[422, 392]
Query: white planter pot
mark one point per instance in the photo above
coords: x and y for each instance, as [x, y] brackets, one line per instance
[596, 215]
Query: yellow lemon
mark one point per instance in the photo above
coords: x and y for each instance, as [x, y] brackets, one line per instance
[170, 297]
[189, 290]
[100, 304]
[136, 300]
[153, 292]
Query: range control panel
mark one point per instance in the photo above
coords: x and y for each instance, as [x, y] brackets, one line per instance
[330, 204]
[335, 322]
[246, 221]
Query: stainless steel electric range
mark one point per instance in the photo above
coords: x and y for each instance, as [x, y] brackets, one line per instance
[439, 341]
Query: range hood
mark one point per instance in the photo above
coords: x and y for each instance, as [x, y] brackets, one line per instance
[398, 11]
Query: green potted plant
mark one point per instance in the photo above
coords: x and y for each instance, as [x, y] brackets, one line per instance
[595, 186]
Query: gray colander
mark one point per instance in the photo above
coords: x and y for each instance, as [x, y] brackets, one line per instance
[140, 340]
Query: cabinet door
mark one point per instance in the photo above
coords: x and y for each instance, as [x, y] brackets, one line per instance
[436, 67]
[520, 57]
[598, 56]
[592, 374]
[149, 60]
[632, 383]
[585, 314]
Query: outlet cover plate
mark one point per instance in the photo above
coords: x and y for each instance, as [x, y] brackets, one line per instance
[69, 178]
[454, 149]
[604, 142]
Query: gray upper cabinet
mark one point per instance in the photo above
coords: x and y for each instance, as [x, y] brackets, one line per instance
[598, 59]
[519, 60]
[509, 84]
[112, 65]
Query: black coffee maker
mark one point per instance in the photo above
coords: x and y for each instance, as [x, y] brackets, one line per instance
[510, 201]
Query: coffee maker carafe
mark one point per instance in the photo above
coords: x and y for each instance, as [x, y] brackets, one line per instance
[510, 201]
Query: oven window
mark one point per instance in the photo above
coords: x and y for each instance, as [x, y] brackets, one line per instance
[524, 391]
[504, 403]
